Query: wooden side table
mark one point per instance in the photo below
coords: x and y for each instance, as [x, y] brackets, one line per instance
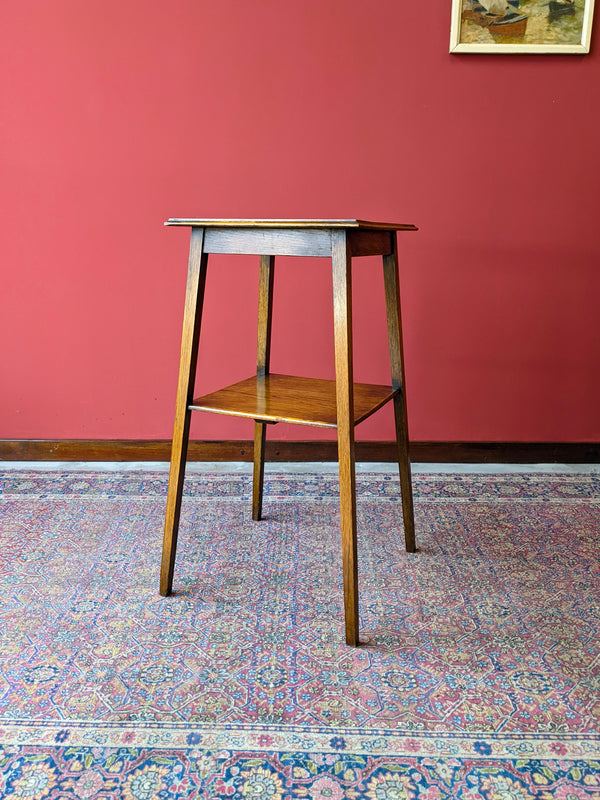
[269, 398]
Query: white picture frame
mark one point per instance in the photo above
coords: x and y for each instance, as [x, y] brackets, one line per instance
[526, 26]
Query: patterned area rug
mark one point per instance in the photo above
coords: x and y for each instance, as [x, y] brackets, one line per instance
[478, 677]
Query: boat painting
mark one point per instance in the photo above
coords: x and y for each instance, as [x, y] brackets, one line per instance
[560, 8]
[521, 26]
[507, 22]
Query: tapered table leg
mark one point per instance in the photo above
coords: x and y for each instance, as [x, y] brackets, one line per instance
[263, 357]
[392, 301]
[192, 316]
[342, 315]
[258, 476]
[405, 473]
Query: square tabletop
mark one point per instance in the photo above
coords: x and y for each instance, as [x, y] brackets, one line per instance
[292, 223]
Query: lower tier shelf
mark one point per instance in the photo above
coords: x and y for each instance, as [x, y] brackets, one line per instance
[286, 398]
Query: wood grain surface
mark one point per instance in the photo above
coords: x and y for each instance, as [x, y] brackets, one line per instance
[291, 223]
[288, 398]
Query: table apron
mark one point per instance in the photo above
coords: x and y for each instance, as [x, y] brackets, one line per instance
[288, 242]
[268, 242]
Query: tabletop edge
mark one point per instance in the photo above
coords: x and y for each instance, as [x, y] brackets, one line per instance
[289, 223]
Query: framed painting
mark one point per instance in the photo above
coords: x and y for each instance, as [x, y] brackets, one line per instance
[521, 26]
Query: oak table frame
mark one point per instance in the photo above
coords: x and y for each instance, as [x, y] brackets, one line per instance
[268, 398]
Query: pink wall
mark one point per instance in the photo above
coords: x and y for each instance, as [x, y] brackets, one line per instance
[118, 114]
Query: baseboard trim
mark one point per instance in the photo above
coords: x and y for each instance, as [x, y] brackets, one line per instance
[241, 450]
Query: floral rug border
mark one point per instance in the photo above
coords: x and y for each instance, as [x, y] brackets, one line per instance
[257, 738]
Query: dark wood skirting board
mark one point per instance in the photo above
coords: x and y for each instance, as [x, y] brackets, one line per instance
[241, 450]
